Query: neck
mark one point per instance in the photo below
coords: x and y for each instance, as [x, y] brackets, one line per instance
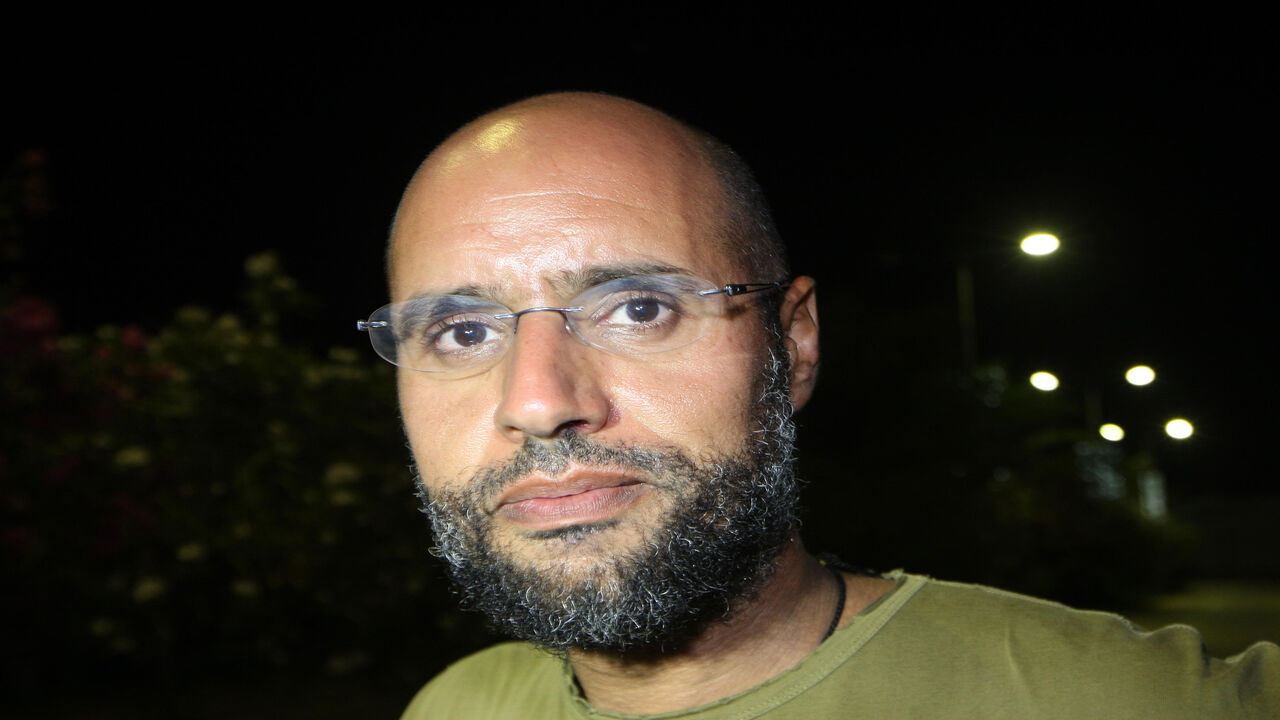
[773, 631]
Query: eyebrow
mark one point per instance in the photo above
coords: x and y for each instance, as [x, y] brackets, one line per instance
[571, 282]
[566, 283]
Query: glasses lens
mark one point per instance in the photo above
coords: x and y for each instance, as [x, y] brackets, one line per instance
[441, 334]
[645, 314]
[637, 315]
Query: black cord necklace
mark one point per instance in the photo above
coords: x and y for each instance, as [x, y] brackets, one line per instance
[840, 598]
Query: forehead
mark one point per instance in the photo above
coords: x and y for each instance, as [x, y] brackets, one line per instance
[519, 202]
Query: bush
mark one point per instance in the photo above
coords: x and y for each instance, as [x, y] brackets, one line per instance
[210, 498]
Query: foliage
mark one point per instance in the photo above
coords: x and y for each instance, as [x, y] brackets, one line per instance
[213, 497]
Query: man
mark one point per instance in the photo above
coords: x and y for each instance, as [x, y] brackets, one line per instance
[600, 350]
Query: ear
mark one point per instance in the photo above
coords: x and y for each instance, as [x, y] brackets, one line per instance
[800, 334]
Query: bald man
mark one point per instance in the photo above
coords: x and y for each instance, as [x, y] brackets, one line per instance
[600, 348]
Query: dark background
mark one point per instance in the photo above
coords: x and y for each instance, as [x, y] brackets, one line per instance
[168, 151]
[172, 156]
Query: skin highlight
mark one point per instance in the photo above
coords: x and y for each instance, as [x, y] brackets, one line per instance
[573, 183]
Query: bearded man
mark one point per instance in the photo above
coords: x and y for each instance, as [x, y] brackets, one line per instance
[600, 349]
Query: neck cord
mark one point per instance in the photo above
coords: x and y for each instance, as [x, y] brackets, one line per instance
[840, 598]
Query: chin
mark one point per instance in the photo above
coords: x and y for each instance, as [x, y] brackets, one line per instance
[585, 549]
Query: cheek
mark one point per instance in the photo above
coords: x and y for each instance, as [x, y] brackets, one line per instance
[699, 403]
[445, 433]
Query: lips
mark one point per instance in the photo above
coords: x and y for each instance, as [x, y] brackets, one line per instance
[576, 498]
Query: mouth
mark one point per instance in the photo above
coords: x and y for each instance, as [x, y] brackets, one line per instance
[579, 497]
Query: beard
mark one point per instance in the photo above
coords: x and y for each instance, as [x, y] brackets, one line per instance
[730, 516]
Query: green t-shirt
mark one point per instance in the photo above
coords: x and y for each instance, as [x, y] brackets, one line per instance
[926, 649]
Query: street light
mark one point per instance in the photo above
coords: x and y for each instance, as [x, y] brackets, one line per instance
[1044, 381]
[1178, 429]
[1112, 432]
[1039, 244]
[1140, 375]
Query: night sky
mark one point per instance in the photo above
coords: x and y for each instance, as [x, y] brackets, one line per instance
[889, 149]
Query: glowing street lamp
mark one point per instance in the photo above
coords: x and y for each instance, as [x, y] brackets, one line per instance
[1178, 429]
[1140, 375]
[1039, 244]
[1044, 381]
[1112, 432]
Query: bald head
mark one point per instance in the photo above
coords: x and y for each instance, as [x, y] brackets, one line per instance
[595, 141]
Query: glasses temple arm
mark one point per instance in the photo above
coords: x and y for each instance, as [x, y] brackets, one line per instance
[733, 289]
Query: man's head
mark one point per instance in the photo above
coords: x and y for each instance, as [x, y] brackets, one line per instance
[736, 203]
[588, 498]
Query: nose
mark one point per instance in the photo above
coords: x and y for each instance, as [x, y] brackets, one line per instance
[551, 384]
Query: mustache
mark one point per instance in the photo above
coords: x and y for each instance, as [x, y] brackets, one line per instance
[554, 457]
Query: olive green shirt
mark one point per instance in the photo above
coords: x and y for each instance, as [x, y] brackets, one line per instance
[926, 649]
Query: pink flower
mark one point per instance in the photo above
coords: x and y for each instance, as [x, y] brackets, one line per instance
[133, 338]
[27, 318]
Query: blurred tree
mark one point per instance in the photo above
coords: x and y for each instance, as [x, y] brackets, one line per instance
[210, 499]
[970, 477]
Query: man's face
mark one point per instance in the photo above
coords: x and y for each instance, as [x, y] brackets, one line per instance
[562, 460]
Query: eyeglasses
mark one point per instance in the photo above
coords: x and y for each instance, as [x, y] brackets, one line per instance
[639, 315]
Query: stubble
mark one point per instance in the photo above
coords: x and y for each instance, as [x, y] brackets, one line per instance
[730, 516]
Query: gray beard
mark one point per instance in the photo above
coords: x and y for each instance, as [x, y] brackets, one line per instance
[732, 515]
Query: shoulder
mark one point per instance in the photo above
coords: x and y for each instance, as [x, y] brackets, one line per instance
[1029, 629]
[981, 610]
[1047, 653]
[507, 680]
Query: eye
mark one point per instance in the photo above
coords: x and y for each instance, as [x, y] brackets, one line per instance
[643, 314]
[452, 342]
[640, 310]
[462, 334]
